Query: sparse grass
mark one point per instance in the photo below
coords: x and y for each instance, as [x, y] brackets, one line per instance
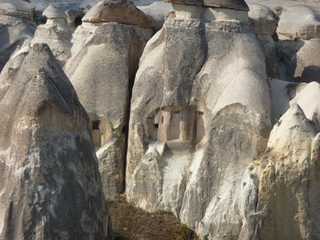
[132, 223]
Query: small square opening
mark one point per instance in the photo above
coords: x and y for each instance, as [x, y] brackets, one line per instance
[95, 124]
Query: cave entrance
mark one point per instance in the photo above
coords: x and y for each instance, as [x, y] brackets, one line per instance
[95, 132]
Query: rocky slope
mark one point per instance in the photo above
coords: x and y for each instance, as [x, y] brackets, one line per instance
[50, 184]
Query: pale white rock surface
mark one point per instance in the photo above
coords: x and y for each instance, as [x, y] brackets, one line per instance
[284, 94]
[200, 113]
[50, 185]
[298, 22]
[103, 86]
[280, 189]
[56, 33]
[264, 21]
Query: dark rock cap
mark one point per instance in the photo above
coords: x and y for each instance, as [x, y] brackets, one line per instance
[121, 11]
[54, 12]
[232, 4]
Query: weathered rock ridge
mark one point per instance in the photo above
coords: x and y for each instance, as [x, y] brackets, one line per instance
[200, 112]
[15, 31]
[281, 187]
[50, 184]
[56, 33]
[103, 86]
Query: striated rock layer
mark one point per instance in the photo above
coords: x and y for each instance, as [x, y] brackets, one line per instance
[200, 114]
[50, 184]
[104, 61]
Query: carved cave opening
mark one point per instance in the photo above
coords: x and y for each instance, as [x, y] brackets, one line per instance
[95, 132]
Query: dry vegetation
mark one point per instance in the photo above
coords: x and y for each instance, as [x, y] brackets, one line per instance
[132, 223]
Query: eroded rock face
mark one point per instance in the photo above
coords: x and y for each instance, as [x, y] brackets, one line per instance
[121, 11]
[307, 62]
[306, 95]
[189, 142]
[298, 49]
[103, 88]
[306, 26]
[281, 194]
[264, 21]
[50, 184]
[56, 33]
[23, 8]
[15, 32]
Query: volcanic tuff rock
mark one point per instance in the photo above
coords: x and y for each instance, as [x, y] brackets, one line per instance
[24, 8]
[103, 88]
[307, 62]
[281, 188]
[298, 22]
[56, 33]
[15, 32]
[50, 184]
[306, 95]
[200, 112]
[121, 11]
[157, 11]
[263, 20]
[264, 23]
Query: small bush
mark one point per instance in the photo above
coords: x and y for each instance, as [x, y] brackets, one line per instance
[116, 234]
[185, 232]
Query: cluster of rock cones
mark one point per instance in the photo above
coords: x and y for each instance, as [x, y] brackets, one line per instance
[214, 117]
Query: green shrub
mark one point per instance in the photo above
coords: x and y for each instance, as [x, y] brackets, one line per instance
[185, 232]
[116, 234]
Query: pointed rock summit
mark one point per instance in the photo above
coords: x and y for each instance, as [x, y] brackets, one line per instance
[54, 12]
[50, 184]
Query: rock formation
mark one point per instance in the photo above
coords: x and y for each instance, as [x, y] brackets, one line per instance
[157, 11]
[103, 84]
[56, 33]
[281, 193]
[284, 94]
[264, 23]
[200, 113]
[24, 8]
[15, 32]
[50, 184]
[299, 37]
